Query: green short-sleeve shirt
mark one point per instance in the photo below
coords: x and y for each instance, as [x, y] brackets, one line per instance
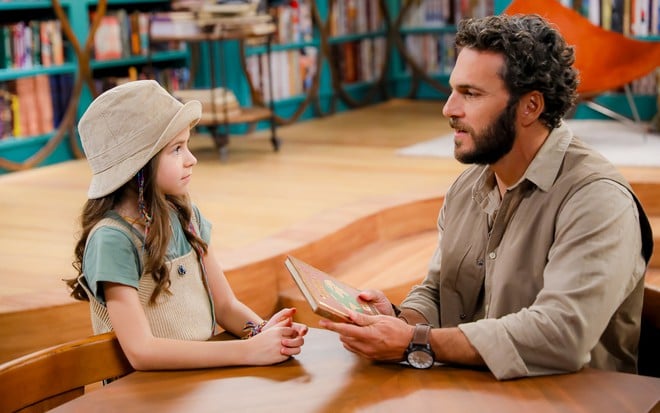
[111, 256]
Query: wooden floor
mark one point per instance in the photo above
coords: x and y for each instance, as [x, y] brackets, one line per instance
[327, 173]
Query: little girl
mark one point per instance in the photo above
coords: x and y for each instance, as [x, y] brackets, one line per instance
[143, 259]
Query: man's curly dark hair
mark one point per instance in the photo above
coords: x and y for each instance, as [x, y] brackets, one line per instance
[536, 58]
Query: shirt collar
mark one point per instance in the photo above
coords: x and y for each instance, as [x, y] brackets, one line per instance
[544, 168]
[542, 171]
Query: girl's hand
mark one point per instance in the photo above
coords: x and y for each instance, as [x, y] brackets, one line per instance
[276, 343]
[286, 314]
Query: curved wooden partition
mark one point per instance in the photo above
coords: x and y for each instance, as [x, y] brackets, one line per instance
[361, 243]
[383, 243]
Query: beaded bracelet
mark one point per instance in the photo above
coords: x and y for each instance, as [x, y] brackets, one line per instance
[252, 329]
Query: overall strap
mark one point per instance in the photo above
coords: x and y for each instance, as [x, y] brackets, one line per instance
[194, 227]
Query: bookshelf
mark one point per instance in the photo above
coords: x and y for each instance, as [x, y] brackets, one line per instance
[220, 107]
[419, 70]
[331, 38]
[24, 67]
[295, 59]
[404, 49]
[75, 76]
[320, 90]
[633, 18]
[423, 35]
[357, 50]
[121, 49]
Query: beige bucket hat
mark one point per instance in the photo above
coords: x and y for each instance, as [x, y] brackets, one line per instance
[126, 126]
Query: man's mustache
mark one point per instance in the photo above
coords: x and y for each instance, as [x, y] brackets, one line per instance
[454, 123]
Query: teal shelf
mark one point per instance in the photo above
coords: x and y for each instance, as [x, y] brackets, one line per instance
[140, 60]
[115, 3]
[355, 37]
[11, 143]
[297, 99]
[357, 86]
[649, 38]
[261, 49]
[25, 5]
[428, 30]
[13, 73]
[440, 77]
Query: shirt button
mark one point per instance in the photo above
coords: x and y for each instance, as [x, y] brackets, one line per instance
[462, 316]
[492, 255]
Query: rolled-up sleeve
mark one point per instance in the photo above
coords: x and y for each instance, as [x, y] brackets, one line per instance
[593, 265]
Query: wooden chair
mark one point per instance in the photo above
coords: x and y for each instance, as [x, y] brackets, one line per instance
[649, 342]
[606, 60]
[47, 378]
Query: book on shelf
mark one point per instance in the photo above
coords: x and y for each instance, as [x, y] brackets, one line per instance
[31, 43]
[139, 33]
[6, 125]
[6, 57]
[61, 86]
[44, 104]
[219, 96]
[230, 7]
[190, 5]
[28, 121]
[174, 24]
[327, 296]
[122, 34]
[46, 38]
[56, 40]
[27, 107]
[108, 39]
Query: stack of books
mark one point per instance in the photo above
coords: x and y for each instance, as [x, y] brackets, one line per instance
[217, 6]
[218, 104]
[233, 18]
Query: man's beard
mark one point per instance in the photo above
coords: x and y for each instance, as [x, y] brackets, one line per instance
[494, 142]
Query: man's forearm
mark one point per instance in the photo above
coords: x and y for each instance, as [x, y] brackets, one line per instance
[450, 345]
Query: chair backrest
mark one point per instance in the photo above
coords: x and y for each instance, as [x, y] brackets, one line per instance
[649, 341]
[47, 378]
[606, 60]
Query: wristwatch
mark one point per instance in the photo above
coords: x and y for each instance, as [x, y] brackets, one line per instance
[419, 353]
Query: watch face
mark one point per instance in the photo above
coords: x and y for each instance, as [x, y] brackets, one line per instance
[420, 359]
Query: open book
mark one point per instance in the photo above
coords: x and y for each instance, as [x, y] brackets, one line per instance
[328, 297]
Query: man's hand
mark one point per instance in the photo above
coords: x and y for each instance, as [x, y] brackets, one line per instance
[378, 299]
[378, 337]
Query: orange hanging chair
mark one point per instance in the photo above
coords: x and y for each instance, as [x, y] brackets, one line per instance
[606, 60]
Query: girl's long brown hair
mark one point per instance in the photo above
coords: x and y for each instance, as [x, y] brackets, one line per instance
[158, 235]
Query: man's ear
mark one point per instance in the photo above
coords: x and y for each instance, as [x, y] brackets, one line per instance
[530, 107]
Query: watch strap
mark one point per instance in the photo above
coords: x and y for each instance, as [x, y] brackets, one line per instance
[421, 334]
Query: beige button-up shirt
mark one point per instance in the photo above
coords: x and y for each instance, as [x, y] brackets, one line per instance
[549, 278]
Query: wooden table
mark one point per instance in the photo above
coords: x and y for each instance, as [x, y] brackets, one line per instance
[327, 378]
